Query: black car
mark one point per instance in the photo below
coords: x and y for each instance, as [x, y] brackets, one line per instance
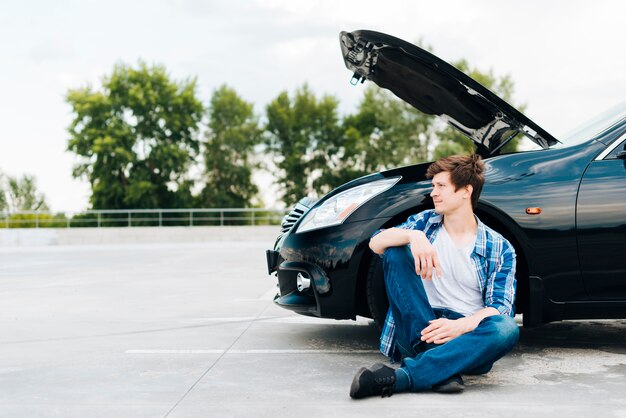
[563, 206]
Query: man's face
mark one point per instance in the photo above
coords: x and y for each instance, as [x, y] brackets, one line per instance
[445, 198]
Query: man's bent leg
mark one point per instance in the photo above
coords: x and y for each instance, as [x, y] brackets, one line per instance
[492, 339]
[407, 299]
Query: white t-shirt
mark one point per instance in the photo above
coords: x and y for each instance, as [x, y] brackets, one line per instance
[459, 288]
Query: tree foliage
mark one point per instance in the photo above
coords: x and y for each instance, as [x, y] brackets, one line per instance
[19, 194]
[303, 133]
[385, 132]
[3, 199]
[229, 156]
[137, 137]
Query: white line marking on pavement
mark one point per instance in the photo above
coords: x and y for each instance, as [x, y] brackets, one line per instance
[255, 351]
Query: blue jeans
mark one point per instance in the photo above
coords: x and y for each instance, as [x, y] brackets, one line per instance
[429, 364]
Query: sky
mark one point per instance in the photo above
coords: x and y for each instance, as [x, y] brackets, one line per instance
[566, 59]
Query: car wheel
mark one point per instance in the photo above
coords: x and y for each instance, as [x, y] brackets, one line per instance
[376, 293]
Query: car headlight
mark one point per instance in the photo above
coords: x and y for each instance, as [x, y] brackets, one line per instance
[337, 209]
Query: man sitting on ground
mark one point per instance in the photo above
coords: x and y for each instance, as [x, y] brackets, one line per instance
[450, 281]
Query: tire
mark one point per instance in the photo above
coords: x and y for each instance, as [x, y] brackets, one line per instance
[376, 293]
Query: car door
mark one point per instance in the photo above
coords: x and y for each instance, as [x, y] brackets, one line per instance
[601, 224]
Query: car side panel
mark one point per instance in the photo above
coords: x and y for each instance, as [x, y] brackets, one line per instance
[548, 180]
[602, 239]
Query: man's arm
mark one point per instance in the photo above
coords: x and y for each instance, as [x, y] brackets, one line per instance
[501, 284]
[393, 237]
[422, 250]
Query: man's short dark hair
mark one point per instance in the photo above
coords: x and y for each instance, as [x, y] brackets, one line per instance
[464, 170]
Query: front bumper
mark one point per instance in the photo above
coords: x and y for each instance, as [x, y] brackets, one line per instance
[332, 261]
[300, 284]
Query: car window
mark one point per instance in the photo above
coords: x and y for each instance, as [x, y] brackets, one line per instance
[526, 144]
[613, 154]
[595, 126]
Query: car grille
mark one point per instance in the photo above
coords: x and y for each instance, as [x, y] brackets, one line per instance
[296, 213]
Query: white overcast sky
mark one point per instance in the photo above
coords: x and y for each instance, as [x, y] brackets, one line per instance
[567, 58]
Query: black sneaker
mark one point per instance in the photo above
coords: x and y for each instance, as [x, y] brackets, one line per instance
[453, 384]
[377, 380]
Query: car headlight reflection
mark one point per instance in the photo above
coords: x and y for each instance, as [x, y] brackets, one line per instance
[337, 209]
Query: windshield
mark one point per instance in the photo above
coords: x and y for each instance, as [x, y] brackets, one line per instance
[595, 126]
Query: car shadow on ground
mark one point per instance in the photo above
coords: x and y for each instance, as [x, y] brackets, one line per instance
[608, 335]
[593, 334]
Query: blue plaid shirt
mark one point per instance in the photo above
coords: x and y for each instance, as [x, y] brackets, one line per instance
[494, 263]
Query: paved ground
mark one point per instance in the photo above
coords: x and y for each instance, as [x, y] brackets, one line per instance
[189, 330]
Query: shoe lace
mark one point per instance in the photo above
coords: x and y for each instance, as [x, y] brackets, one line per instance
[386, 392]
[385, 380]
[387, 385]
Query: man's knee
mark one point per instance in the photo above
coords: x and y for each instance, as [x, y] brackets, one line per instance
[506, 331]
[396, 254]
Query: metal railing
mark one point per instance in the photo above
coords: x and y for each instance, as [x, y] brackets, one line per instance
[143, 217]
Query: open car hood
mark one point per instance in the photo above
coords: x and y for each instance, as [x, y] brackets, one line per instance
[437, 88]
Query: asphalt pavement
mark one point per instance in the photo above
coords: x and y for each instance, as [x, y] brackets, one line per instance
[190, 330]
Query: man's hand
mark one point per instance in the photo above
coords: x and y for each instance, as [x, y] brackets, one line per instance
[425, 256]
[443, 330]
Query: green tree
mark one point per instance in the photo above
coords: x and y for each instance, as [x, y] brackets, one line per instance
[3, 197]
[137, 138]
[229, 151]
[21, 194]
[452, 141]
[303, 135]
[447, 147]
[385, 132]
